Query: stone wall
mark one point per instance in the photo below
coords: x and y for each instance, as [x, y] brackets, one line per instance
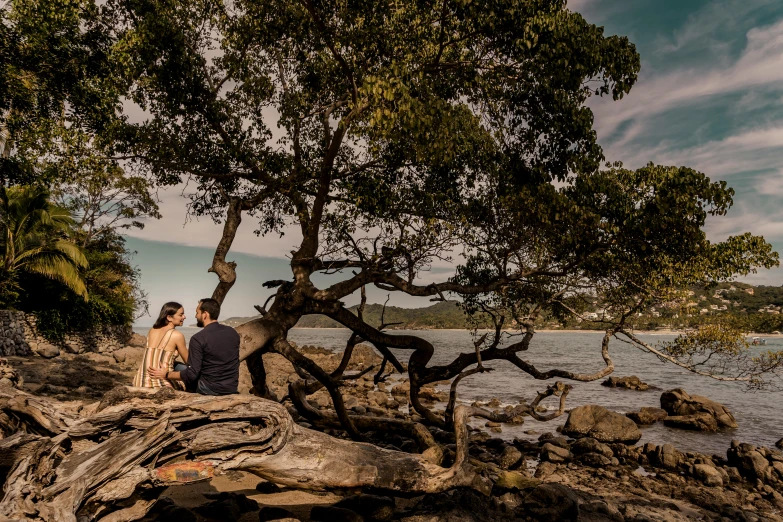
[13, 339]
[19, 335]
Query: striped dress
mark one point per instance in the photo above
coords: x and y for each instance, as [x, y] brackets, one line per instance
[157, 358]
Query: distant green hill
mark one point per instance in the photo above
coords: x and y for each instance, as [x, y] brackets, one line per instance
[754, 308]
[441, 315]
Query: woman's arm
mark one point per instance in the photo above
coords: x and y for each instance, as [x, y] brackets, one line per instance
[182, 349]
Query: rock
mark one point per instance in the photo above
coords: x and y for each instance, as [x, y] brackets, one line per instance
[226, 505]
[559, 441]
[166, 509]
[370, 507]
[677, 402]
[276, 514]
[402, 389]
[333, 514]
[630, 383]
[430, 394]
[552, 453]
[510, 457]
[599, 510]
[779, 444]
[595, 460]
[268, 487]
[748, 460]
[137, 341]
[647, 416]
[733, 474]
[708, 474]
[697, 422]
[491, 424]
[48, 351]
[128, 354]
[665, 456]
[590, 445]
[515, 481]
[545, 469]
[601, 424]
[380, 398]
[552, 501]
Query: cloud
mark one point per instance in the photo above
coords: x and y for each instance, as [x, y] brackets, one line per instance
[711, 27]
[760, 64]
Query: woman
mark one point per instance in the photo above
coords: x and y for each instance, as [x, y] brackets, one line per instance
[164, 342]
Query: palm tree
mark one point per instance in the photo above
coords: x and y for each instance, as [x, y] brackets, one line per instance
[33, 240]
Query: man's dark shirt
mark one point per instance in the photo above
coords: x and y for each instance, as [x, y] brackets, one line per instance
[213, 359]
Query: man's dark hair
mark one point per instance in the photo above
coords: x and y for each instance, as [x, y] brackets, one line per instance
[210, 306]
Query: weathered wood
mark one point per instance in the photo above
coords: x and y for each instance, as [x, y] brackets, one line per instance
[111, 465]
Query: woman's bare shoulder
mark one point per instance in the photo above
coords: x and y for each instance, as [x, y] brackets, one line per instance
[178, 335]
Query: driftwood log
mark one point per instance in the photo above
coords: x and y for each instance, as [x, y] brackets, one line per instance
[111, 462]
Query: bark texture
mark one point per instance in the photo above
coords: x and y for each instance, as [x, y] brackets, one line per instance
[112, 464]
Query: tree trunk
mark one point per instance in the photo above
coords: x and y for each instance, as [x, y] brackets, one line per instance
[112, 464]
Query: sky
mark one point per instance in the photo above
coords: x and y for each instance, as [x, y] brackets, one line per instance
[709, 96]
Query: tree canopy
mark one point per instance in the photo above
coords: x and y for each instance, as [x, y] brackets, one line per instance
[394, 134]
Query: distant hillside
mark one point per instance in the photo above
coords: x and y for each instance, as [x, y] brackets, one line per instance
[441, 315]
[756, 308]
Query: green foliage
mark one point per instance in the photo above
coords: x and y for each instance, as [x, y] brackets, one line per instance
[34, 240]
[112, 283]
[405, 132]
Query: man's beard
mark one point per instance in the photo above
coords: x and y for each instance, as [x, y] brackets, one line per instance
[199, 323]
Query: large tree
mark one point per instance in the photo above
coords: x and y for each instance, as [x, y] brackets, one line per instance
[393, 134]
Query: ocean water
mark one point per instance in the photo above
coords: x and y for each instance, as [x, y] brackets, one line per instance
[758, 413]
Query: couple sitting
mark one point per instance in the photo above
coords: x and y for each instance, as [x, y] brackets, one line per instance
[212, 363]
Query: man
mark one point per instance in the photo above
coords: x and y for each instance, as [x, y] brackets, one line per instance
[213, 358]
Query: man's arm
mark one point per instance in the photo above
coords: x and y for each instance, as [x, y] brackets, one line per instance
[193, 370]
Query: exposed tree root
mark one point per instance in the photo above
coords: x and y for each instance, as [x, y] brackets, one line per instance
[112, 464]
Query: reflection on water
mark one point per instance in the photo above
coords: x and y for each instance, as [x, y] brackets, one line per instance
[758, 413]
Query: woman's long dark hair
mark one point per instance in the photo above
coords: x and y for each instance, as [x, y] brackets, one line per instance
[168, 309]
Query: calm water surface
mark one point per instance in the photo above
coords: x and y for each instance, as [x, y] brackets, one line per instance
[759, 414]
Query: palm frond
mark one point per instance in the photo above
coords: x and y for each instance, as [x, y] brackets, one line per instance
[73, 251]
[57, 266]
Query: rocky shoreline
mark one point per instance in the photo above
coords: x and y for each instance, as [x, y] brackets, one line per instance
[590, 471]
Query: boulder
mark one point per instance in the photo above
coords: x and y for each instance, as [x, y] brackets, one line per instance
[557, 441]
[779, 444]
[647, 416]
[590, 445]
[404, 389]
[594, 460]
[665, 456]
[631, 382]
[129, 354]
[748, 460]
[370, 507]
[601, 424]
[697, 422]
[708, 474]
[266, 487]
[678, 402]
[510, 458]
[137, 341]
[551, 501]
[48, 351]
[556, 454]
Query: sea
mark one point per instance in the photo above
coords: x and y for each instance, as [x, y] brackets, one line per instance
[759, 414]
